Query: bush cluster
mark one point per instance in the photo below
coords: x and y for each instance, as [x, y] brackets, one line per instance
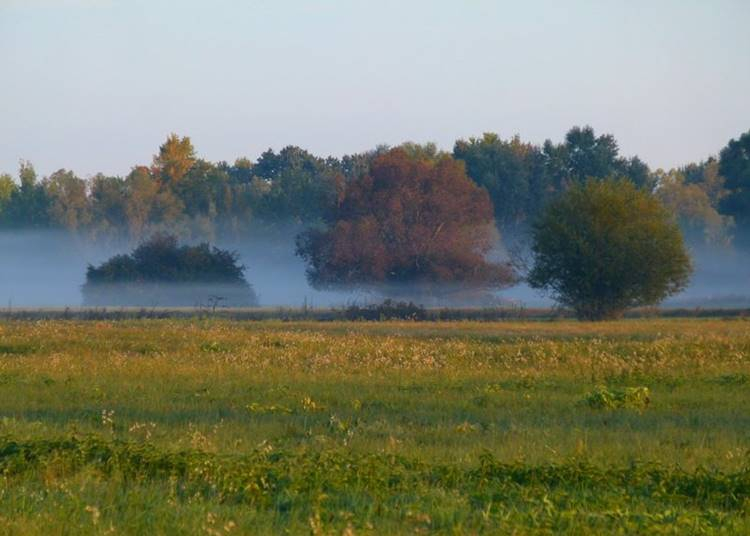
[161, 272]
[387, 310]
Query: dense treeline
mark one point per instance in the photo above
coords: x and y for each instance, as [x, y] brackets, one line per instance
[183, 194]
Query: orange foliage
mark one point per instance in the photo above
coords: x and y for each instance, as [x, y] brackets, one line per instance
[411, 221]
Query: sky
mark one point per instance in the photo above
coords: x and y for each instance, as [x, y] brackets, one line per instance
[97, 85]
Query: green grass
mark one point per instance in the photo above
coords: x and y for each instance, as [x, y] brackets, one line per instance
[220, 427]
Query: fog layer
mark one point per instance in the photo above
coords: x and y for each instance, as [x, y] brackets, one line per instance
[48, 268]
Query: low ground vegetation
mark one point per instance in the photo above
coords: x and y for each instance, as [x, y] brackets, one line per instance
[387, 310]
[208, 426]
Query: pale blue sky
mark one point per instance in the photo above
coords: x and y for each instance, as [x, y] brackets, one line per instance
[96, 85]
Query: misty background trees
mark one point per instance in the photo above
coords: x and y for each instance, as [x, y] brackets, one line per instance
[274, 198]
[734, 166]
[196, 199]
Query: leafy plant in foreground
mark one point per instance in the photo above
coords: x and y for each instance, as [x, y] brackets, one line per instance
[607, 399]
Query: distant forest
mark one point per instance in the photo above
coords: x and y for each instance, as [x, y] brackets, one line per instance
[195, 199]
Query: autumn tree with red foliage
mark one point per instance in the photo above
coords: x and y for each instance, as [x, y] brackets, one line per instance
[412, 225]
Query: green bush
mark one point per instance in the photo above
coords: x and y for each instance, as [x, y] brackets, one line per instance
[606, 246]
[161, 272]
[603, 398]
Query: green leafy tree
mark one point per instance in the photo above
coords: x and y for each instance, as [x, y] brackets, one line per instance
[207, 194]
[109, 204]
[69, 205]
[693, 194]
[151, 206]
[7, 188]
[355, 166]
[513, 173]
[590, 155]
[141, 192]
[234, 197]
[423, 151]
[691, 206]
[29, 204]
[241, 172]
[201, 188]
[734, 166]
[606, 246]
[584, 155]
[706, 176]
[637, 171]
[301, 188]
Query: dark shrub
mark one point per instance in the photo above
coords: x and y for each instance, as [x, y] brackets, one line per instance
[160, 272]
[388, 310]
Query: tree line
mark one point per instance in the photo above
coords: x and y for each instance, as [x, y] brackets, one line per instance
[180, 193]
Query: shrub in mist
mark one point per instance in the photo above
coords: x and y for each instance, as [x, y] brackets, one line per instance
[161, 272]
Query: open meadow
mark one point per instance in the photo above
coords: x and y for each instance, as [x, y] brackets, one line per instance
[211, 426]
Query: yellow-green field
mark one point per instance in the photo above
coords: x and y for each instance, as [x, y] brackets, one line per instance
[222, 427]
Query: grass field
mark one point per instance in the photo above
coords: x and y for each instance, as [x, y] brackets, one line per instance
[224, 427]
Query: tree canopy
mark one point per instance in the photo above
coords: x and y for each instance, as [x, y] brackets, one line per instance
[734, 166]
[522, 177]
[176, 157]
[298, 187]
[410, 222]
[692, 196]
[605, 246]
[181, 193]
[513, 172]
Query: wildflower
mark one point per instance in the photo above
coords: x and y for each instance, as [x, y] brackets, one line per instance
[95, 514]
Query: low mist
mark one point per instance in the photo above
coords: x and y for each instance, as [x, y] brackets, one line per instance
[48, 268]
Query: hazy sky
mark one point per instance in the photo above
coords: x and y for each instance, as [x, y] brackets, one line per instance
[96, 85]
